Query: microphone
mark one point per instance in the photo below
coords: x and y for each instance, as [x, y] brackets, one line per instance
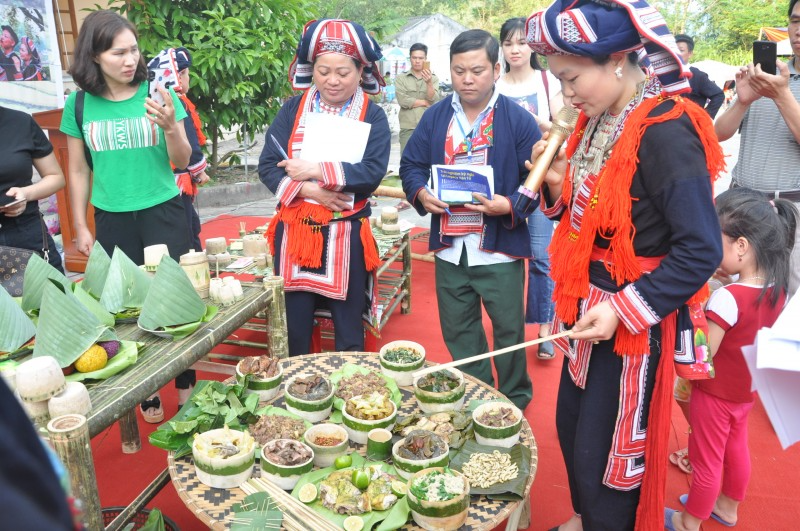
[563, 125]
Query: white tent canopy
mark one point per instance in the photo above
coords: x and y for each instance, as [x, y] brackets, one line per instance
[717, 71]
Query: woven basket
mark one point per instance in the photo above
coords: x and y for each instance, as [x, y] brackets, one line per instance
[139, 519]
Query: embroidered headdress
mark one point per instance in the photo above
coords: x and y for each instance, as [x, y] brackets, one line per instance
[601, 27]
[326, 36]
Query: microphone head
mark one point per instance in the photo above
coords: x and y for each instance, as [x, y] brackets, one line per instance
[564, 122]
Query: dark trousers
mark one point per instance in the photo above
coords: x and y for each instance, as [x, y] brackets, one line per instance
[192, 221]
[346, 314]
[586, 421]
[133, 231]
[460, 290]
[25, 232]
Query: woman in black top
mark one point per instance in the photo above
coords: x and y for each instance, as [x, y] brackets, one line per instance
[24, 147]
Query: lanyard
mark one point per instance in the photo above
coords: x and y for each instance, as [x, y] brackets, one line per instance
[341, 113]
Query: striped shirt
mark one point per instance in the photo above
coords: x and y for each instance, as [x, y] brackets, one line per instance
[769, 155]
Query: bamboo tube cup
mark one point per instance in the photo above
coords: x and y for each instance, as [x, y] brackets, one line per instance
[69, 435]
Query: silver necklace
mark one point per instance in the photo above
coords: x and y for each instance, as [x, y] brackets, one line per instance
[750, 278]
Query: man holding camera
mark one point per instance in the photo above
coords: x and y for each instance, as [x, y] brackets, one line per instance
[767, 112]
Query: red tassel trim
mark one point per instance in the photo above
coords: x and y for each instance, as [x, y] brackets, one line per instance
[371, 258]
[650, 512]
[185, 184]
[609, 212]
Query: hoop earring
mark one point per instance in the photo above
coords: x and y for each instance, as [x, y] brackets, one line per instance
[618, 72]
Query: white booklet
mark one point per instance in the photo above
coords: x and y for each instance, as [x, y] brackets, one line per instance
[332, 138]
[454, 184]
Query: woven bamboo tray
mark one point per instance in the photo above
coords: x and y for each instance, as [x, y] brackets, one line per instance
[213, 506]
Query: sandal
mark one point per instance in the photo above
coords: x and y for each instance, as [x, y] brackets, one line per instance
[546, 351]
[153, 404]
[680, 459]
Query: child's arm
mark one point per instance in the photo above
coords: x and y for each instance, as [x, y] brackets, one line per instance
[715, 335]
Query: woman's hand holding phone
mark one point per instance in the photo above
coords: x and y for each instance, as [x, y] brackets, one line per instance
[13, 203]
[162, 116]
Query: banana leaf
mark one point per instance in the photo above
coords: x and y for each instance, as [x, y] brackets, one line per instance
[179, 332]
[92, 305]
[171, 301]
[511, 490]
[126, 285]
[16, 328]
[256, 511]
[370, 518]
[96, 271]
[35, 281]
[127, 356]
[349, 369]
[66, 327]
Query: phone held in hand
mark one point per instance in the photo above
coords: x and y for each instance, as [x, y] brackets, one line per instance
[9, 201]
[162, 71]
[765, 53]
[426, 65]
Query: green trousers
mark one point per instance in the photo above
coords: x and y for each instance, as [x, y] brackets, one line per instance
[403, 136]
[460, 290]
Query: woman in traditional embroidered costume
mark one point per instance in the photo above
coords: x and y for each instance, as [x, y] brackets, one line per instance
[320, 235]
[637, 241]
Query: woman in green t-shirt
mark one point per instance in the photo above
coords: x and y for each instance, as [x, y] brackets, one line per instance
[131, 140]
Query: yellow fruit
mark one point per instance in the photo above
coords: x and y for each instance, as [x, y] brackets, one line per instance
[93, 359]
[307, 493]
[353, 523]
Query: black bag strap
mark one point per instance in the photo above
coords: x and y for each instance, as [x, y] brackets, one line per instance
[80, 99]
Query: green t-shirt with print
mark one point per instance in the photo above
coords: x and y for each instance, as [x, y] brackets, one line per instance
[129, 152]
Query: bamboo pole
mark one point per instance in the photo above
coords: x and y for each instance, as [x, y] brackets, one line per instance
[69, 435]
[277, 333]
[478, 357]
[389, 191]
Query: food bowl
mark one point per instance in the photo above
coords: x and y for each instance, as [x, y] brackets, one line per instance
[314, 410]
[283, 475]
[224, 458]
[39, 378]
[265, 388]
[38, 412]
[401, 371]
[406, 466]
[435, 515]
[325, 454]
[357, 429]
[73, 399]
[504, 436]
[438, 401]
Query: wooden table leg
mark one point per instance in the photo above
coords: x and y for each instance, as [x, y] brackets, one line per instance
[69, 435]
[129, 432]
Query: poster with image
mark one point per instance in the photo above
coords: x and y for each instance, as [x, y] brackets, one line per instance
[30, 64]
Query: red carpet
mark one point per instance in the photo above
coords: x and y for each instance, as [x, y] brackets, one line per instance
[773, 498]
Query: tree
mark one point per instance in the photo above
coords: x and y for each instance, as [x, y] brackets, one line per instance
[241, 52]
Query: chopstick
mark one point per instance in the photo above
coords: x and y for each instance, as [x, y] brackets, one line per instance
[478, 357]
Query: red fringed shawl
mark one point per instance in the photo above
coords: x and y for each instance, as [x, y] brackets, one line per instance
[306, 219]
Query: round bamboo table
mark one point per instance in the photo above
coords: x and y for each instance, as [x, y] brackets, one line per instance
[214, 506]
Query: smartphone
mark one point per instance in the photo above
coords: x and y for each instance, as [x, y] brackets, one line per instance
[163, 72]
[765, 53]
[8, 201]
[426, 65]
